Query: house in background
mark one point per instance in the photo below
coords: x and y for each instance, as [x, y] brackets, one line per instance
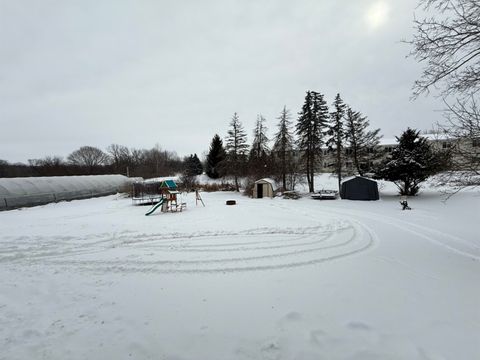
[439, 142]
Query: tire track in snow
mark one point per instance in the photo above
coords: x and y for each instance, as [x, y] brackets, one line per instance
[48, 246]
[188, 253]
[427, 233]
[216, 260]
[363, 238]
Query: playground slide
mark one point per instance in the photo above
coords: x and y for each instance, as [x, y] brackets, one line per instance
[154, 207]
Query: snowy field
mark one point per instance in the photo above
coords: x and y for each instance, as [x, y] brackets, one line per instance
[265, 279]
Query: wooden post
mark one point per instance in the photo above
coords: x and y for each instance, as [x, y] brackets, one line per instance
[198, 198]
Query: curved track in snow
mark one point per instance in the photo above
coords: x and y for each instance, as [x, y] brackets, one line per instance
[223, 251]
[254, 249]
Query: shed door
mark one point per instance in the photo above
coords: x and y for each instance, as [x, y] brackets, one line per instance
[259, 191]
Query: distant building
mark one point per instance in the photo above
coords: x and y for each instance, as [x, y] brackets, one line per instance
[386, 146]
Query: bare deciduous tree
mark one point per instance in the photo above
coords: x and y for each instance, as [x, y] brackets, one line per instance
[462, 126]
[448, 44]
[48, 161]
[88, 156]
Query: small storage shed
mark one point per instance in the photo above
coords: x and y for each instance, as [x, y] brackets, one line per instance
[359, 188]
[264, 188]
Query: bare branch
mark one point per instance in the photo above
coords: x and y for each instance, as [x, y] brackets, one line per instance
[448, 44]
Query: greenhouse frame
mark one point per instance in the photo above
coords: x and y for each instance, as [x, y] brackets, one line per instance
[32, 191]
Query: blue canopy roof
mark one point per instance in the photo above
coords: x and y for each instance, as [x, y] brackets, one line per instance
[169, 184]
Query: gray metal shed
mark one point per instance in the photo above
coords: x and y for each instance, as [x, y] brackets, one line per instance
[359, 188]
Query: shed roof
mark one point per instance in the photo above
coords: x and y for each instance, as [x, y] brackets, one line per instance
[357, 178]
[429, 137]
[267, 180]
[170, 184]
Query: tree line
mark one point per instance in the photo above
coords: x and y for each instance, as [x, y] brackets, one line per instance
[89, 160]
[340, 140]
[296, 150]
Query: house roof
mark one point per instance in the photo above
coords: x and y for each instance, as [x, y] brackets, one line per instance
[429, 137]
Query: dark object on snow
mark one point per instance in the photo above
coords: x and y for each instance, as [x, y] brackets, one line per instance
[231, 202]
[291, 195]
[359, 188]
[405, 206]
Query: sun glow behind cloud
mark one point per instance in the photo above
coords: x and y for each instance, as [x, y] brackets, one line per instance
[377, 15]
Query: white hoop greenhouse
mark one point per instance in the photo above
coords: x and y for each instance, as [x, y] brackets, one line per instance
[31, 191]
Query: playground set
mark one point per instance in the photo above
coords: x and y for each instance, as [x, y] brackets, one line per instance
[163, 195]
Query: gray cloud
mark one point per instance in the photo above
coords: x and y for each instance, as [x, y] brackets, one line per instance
[144, 72]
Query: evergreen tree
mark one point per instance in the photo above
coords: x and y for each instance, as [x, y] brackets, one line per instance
[283, 145]
[215, 166]
[260, 139]
[362, 143]
[410, 163]
[236, 147]
[336, 135]
[310, 128]
[259, 153]
[197, 166]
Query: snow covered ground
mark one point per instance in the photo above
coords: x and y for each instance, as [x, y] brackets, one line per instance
[265, 279]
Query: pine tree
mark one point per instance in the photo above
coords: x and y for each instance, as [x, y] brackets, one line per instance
[336, 135]
[190, 170]
[283, 146]
[192, 165]
[310, 128]
[362, 144]
[197, 165]
[215, 166]
[259, 152]
[260, 139]
[236, 147]
[410, 163]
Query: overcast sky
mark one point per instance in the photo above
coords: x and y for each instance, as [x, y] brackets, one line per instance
[143, 72]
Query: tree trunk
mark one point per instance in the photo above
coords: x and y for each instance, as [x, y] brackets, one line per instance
[236, 183]
[312, 173]
[339, 163]
[355, 159]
